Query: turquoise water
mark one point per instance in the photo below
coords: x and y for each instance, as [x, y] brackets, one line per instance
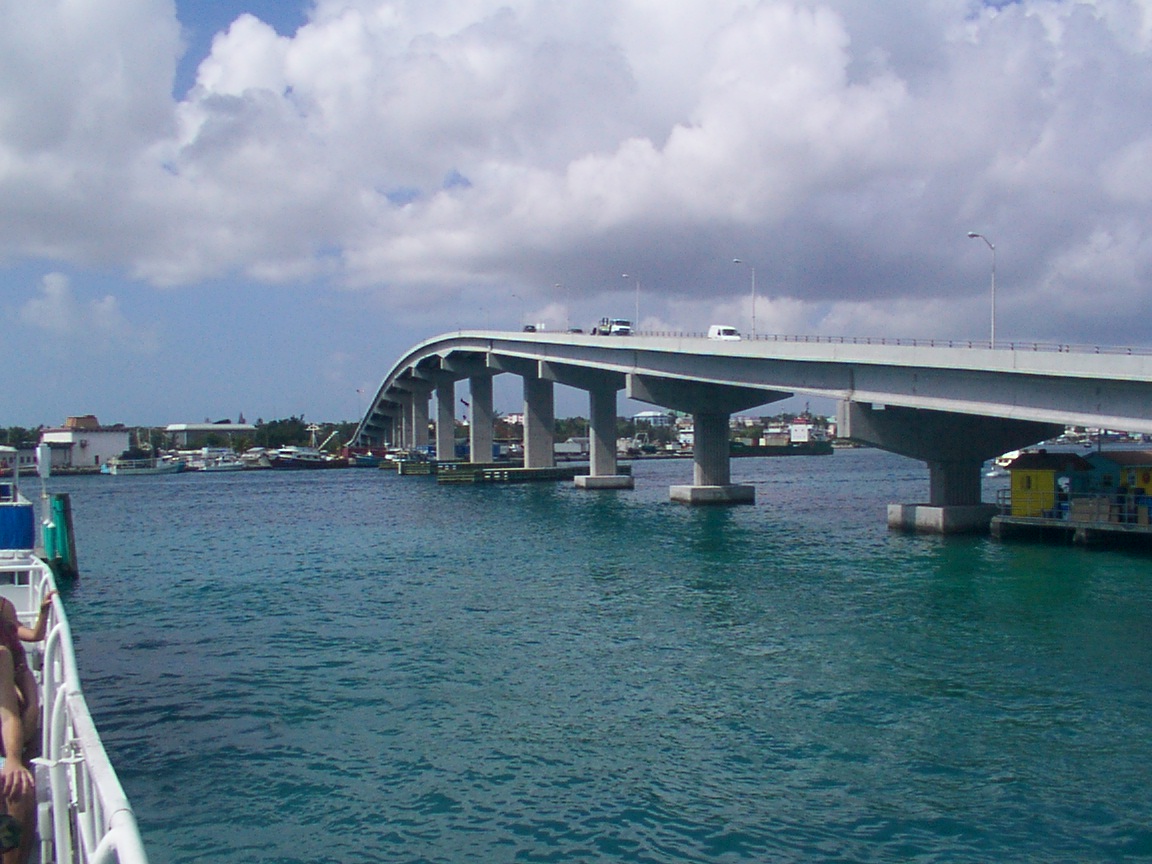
[352, 666]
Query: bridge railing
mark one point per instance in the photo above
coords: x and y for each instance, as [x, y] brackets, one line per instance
[1051, 347]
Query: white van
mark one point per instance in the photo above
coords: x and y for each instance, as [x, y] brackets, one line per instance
[724, 333]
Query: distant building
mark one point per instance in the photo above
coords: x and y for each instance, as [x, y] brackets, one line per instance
[195, 434]
[83, 443]
[653, 418]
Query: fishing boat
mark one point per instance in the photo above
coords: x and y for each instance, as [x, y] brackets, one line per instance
[161, 465]
[364, 460]
[303, 457]
[81, 811]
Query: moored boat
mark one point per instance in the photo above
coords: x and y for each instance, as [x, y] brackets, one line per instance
[161, 465]
[81, 812]
[294, 457]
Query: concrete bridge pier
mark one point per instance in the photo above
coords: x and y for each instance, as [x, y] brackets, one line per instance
[711, 407]
[602, 470]
[446, 421]
[712, 465]
[480, 426]
[539, 423]
[385, 426]
[419, 414]
[955, 448]
[404, 422]
[602, 388]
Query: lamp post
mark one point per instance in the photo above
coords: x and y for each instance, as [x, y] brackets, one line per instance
[753, 269]
[973, 235]
[636, 321]
[567, 312]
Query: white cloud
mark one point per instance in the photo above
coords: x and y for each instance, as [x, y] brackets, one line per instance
[96, 324]
[437, 149]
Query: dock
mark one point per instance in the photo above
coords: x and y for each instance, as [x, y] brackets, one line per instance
[1085, 520]
[494, 472]
[465, 473]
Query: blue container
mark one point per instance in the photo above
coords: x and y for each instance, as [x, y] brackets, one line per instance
[17, 526]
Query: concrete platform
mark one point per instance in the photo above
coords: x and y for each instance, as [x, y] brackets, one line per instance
[730, 494]
[953, 519]
[605, 481]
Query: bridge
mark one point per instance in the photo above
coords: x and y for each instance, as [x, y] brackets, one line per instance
[952, 405]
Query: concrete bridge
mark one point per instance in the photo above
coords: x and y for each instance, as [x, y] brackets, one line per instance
[952, 405]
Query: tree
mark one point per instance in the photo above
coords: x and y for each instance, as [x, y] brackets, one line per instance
[18, 436]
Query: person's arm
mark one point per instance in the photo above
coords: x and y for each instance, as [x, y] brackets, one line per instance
[35, 634]
[15, 778]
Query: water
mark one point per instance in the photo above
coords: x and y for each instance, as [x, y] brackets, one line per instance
[352, 666]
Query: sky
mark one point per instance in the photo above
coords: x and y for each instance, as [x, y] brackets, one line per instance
[214, 209]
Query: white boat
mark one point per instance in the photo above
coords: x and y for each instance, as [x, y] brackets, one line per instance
[224, 463]
[81, 812]
[303, 457]
[217, 459]
[255, 457]
[146, 466]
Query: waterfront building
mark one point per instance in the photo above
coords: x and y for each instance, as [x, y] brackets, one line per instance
[1122, 469]
[1039, 478]
[85, 443]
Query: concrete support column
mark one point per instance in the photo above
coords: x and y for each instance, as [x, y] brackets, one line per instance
[419, 415]
[539, 424]
[602, 431]
[711, 405]
[954, 446]
[711, 468]
[404, 427]
[711, 450]
[446, 421]
[954, 484]
[602, 442]
[480, 428]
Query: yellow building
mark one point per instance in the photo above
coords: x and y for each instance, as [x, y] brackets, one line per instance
[1040, 479]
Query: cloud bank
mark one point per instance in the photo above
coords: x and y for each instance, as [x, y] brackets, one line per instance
[444, 155]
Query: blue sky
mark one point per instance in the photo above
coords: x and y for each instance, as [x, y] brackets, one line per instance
[221, 208]
[201, 20]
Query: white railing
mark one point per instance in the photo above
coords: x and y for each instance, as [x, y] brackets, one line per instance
[83, 815]
[1001, 344]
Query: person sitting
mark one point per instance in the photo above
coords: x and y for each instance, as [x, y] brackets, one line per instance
[19, 725]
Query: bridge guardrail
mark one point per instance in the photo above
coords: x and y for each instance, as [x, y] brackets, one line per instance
[1048, 347]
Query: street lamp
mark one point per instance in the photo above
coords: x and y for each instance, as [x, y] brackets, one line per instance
[753, 269]
[636, 320]
[973, 235]
[567, 311]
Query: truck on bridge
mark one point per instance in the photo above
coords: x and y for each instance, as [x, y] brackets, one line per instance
[613, 327]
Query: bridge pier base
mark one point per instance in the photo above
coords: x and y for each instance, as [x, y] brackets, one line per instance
[930, 519]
